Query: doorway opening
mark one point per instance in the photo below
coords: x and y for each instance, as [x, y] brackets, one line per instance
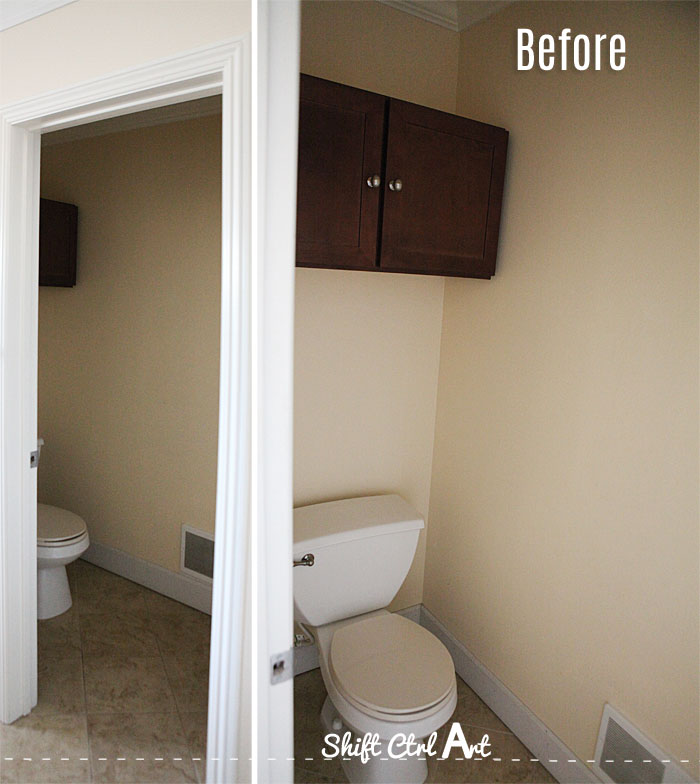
[128, 410]
[216, 70]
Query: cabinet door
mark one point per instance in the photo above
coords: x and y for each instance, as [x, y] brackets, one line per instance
[58, 231]
[340, 146]
[444, 218]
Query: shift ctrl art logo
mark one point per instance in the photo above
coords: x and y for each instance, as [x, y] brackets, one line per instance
[401, 746]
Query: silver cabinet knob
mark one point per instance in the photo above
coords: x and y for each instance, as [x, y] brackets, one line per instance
[374, 181]
[395, 185]
[306, 560]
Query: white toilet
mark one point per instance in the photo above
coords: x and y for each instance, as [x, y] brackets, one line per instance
[383, 673]
[61, 538]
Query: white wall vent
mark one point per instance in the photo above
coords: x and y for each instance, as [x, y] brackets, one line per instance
[197, 553]
[624, 755]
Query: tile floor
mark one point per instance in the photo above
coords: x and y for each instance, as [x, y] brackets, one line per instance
[123, 679]
[474, 716]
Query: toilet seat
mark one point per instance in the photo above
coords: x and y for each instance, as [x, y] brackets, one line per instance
[58, 527]
[391, 668]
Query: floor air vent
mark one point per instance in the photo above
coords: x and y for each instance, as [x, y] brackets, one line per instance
[197, 553]
[626, 756]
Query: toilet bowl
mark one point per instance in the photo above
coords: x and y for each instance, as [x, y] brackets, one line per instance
[384, 674]
[62, 537]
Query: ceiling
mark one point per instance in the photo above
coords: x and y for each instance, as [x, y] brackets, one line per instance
[14, 12]
[454, 14]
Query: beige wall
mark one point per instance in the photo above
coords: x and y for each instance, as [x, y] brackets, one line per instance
[128, 359]
[92, 38]
[374, 47]
[367, 345]
[563, 544]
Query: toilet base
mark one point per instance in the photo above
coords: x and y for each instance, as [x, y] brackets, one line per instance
[380, 769]
[53, 592]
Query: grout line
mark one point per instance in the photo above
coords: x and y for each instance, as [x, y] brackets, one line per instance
[91, 771]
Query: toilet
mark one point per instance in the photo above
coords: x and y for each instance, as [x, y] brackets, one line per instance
[384, 674]
[62, 537]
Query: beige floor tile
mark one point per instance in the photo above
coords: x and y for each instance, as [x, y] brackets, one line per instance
[117, 634]
[127, 685]
[309, 694]
[165, 607]
[72, 570]
[195, 727]
[99, 591]
[59, 637]
[189, 680]
[36, 745]
[433, 760]
[60, 686]
[472, 711]
[183, 634]
[153, 746]
[302, 776]
[509, 762]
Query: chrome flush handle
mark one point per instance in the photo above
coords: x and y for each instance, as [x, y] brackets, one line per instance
[306, 560]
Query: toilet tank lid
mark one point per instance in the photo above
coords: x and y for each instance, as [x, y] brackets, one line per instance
[334, 522]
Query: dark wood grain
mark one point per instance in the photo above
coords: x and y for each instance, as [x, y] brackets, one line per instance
[446, 218]
[340, 146]
[58, 232]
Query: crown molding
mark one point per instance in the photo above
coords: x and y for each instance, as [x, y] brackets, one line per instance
[14, 12]
[438, 13]
[455, 15]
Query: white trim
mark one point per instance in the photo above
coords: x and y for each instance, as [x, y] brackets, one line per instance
[220, 68]
[552, 752]
[428, 11]
[448, 13]
[180, 587]
[14, 12]
[275, 119]
[204, 107]
[19, 239]
[413, 613]
[305, 659]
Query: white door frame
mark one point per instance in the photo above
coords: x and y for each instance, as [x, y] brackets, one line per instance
[275, 122]
[222, 68]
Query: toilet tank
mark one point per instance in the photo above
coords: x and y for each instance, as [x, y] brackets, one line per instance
[362, 549]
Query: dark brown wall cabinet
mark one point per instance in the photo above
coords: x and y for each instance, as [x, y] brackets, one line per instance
[390, 186]
[58, 234]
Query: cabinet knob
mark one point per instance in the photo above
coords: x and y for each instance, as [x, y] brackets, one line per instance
[374, 181]
[395, 185]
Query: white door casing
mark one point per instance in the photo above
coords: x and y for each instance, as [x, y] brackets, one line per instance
[275, 118]
[221, 68]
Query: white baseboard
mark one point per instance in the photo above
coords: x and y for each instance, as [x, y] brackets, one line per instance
[412, 613]
[552, 752]
[177, 586]
[305, 659]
